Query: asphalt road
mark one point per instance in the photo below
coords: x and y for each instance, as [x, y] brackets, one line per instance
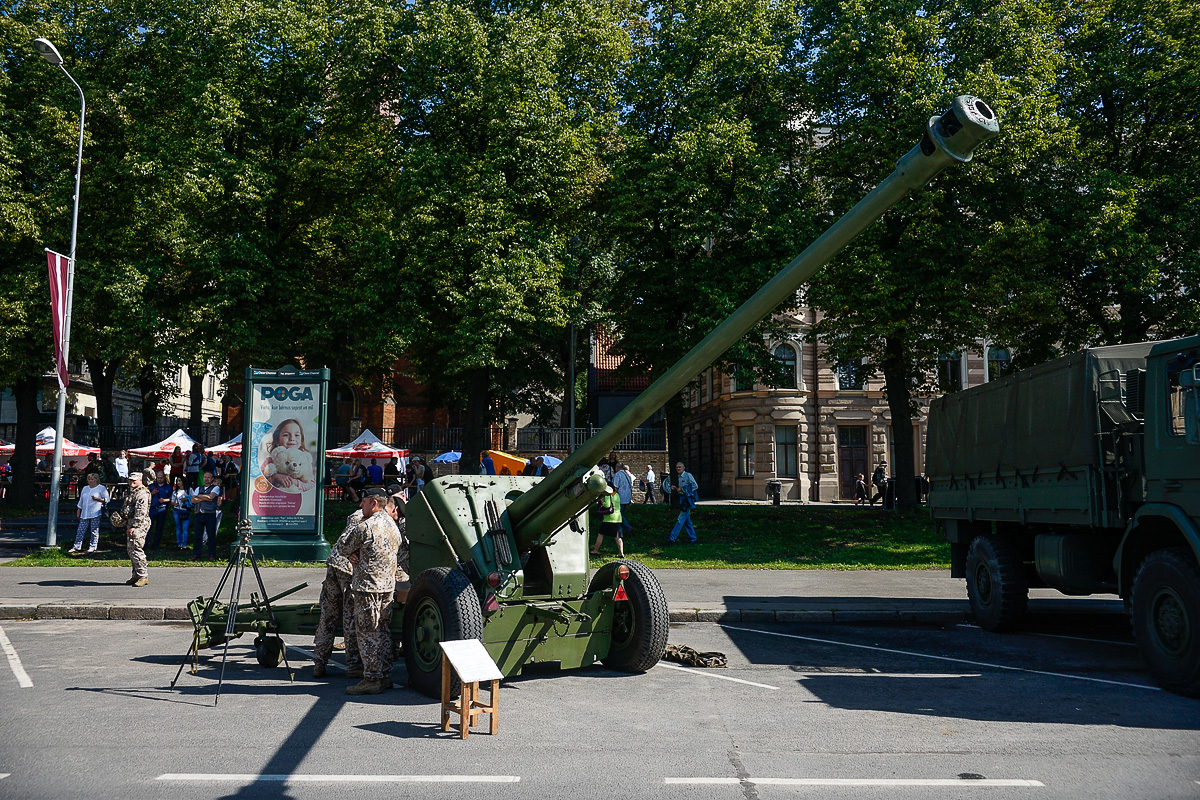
[1066, 709]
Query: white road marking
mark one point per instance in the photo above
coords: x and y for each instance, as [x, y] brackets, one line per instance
[982, 782]
[308, 653]
[294, 778]
[1058, 636]
[14, 661]
[715, 675]
[946, 658]
[929, 676]
[4, 775]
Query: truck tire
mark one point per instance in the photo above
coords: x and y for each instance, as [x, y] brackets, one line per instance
[996, 585]
[442, 607]
[640, 624]
[1166, 618]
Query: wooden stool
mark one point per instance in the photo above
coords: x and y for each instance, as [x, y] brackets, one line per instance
[471, 662]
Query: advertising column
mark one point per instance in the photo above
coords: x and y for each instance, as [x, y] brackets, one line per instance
[283, 461]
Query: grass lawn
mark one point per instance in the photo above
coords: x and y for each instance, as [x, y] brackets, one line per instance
[785, 537]
[730, 537]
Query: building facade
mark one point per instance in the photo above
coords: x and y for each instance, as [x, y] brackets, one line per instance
[816, 432]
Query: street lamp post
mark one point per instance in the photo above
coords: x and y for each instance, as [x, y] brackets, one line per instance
[51, 54]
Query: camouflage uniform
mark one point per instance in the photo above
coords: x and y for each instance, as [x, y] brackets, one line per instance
[136, 510]
[337, 601]
[377, 542]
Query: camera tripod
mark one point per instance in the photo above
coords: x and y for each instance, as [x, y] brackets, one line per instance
[236, 568]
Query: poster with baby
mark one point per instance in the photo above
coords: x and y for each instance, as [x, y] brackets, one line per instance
[282, 453]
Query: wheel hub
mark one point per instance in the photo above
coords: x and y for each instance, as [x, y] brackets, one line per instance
[1170, 622]
[428, 634]
[983, 584]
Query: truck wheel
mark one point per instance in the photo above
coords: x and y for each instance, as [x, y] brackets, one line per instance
[640, 624]
[269, 651]
[442, 607]
[1166, 618]
[995, 583]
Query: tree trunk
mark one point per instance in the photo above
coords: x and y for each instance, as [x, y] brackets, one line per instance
[148, 386]
[24, 459]
[103, 374]
[897, 373]
[196, 399]
[673, 409]
[475, 425]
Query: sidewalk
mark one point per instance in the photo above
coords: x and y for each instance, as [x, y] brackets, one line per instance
[693, 595]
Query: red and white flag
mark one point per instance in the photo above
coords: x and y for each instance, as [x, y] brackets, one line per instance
[59, 264]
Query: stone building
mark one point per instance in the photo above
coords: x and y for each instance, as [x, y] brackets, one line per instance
[814, 433]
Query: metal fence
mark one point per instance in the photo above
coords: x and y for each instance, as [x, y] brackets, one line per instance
[536, 438]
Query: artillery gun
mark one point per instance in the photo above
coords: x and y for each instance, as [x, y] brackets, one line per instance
[504, 559]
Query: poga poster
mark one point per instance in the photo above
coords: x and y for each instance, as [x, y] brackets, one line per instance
[284, 456]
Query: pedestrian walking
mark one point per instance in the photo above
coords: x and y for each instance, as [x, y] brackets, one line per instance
[608, 506]
[878, 479]
[682, 496]
[860, 490]
[90, 509]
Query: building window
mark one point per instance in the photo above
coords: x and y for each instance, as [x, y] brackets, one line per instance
[741, 380]
[708, 382]
[212, 388]
[999, 362]
[786, 355]
[785, 451]
[950, 377]
[745, 451]
[849, 376]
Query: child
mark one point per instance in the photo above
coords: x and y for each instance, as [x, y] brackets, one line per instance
[860, 490]
[609, 506]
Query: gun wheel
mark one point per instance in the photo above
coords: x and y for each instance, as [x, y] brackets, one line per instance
[996, 585]
[640, 624]
[269, 651]
[442, 607]
[1166, 618]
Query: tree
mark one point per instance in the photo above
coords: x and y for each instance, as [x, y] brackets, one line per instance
[919, 283]
[498, 118]
[709, 153]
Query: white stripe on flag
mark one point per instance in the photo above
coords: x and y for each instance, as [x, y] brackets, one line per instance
[58, 265]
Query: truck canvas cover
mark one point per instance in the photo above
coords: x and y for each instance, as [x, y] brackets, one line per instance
[1038, 419]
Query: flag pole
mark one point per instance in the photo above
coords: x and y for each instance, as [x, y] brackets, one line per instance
[51, 54]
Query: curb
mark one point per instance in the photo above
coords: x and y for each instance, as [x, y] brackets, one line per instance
[103, 611]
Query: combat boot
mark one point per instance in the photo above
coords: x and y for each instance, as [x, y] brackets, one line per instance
[132, 580]
[366, 687]
[318, 670]
[141, 582]
[354, 673]
[387, 682]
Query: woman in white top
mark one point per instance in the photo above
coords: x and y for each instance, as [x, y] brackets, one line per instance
[92, 500]
[181, 505]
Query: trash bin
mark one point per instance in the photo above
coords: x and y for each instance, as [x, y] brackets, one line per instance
[774, 491]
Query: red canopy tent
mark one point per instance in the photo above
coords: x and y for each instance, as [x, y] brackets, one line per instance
[45, 444]
[368, 446]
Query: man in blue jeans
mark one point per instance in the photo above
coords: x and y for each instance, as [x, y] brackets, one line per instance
[207, 501]
[682, 496]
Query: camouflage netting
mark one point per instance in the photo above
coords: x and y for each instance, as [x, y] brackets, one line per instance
[682, 654]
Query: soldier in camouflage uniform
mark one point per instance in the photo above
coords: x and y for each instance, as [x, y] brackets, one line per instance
[372, 547]
[136, 510]
[337, 602]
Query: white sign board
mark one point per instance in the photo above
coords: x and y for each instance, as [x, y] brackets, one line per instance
[471, 661]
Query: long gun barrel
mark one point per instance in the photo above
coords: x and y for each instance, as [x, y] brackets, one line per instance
[949, 139]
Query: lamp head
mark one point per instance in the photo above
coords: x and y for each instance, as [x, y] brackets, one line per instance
[48, 51]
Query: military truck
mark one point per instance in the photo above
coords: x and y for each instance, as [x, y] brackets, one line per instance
[504, 558]
[1083, 475]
